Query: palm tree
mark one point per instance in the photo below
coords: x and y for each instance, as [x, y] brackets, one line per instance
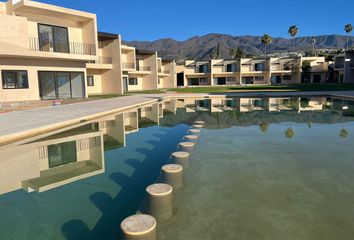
[314, 45]
[293, 30]
[348, 29]
[236, 53]
[264, 125]
[290, 133]
[266, 40]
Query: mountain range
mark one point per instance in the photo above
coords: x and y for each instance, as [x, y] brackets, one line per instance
[200, 47]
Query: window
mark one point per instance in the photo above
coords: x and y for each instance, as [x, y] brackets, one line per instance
[90, 81]
[61, 85]
[259, 67]
[231, 67]
[159, 81]
[203, 68]
[247, 80]
[133, 81]
[317, 78]
[61, 154]
[203, 80]
[14, 79]
[259, 78]
[53, 38]
[287, 77]
[230, 79]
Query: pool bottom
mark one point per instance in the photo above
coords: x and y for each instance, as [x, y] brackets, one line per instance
[248, 185]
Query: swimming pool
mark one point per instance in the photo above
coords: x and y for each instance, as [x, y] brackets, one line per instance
[263, 169]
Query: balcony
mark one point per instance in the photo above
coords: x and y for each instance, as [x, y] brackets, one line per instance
[163, 71]
[143, 68]
[66, 48]
[127, 65]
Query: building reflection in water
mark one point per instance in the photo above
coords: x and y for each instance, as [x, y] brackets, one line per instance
[76, 153]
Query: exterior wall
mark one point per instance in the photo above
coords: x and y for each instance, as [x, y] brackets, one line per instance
[97, 88]
[167, 80]
[19, 44]
[32, 67]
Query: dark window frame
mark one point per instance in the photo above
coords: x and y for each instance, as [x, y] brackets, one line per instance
[56, 83]
[53, 36]
[3, 72]
[135, 83]
[88, 82]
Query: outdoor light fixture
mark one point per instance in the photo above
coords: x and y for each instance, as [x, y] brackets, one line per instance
[345, 108]
[347, 59]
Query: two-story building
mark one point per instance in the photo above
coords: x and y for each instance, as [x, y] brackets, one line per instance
[344, 67]
[44, 50]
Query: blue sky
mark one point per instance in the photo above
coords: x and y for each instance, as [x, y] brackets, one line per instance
[182, 19]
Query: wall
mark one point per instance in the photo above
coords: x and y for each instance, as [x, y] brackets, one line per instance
[97, 88]
[14, 35]
[32, 67]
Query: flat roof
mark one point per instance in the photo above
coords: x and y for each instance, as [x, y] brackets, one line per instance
[145, 52]
[104, 36]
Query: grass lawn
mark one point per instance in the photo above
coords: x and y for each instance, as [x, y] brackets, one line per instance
[105, 96]
[270, 88]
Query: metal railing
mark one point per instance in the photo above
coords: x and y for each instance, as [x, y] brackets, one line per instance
[128, 65]
[143, 68]
[65, 47]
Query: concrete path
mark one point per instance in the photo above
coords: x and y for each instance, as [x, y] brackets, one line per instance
[31, 122]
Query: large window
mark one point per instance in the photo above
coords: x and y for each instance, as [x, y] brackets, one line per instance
[61, 154]
[61, 85]
[259, 67]
[53, 38]
[14, 79]
[203, 68]
[259, 78]
[133, 81]
[90, 81]
[231, 67]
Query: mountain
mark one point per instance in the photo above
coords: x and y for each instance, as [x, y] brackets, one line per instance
[200, 47]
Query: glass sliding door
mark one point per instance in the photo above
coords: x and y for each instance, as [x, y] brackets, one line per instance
[61, 154]
[45, 38]
[63, 83]
[53, 38]
[61, 39]
[47, 85]
[77, 85]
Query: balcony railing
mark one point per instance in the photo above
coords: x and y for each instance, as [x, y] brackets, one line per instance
[164, 71]
[69, 47]
[128, 65]
[282, 68]
[143, 68]
[104, 60]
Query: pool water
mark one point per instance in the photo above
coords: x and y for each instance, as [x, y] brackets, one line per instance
[247, 179]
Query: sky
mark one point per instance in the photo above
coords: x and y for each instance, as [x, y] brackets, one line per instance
[148, 20]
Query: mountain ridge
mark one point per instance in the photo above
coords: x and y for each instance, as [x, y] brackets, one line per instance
[200, 47]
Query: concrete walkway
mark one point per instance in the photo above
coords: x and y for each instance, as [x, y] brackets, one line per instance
[21, 124]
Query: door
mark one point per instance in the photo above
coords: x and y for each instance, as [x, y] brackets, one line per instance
[61, 154]
[125, 83]
[61, 85]
[47, 85]
[221, 81]
[180, 79]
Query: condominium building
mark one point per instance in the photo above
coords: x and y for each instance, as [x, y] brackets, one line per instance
[344, 67]
[252, 71]
[44, 50]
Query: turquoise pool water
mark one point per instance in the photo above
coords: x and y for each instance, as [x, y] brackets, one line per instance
[247, 180]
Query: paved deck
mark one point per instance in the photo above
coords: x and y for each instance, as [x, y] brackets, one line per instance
[20, 124]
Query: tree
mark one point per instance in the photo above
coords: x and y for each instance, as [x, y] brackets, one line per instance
[236, 53]
[293, 31]
[264, 125]
[343, 133]
[348, 28]
[314, 45]
[215, 52]
[266, 40]
[306, 71]
[289, 133]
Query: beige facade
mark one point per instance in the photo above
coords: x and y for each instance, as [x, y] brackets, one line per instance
[250, 71]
